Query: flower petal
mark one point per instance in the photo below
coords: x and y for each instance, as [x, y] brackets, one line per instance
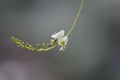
[54, 36]
[63, 40]
[61, 33]
[62, 48]
[58, 35]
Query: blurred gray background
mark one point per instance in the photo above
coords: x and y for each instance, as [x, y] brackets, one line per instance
[93, 50]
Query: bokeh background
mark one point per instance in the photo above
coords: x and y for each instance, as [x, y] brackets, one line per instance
[93, 50]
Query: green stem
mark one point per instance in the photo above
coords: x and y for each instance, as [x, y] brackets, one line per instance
[30, 47]
[76, 18]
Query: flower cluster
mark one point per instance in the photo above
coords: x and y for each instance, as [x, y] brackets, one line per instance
[60, 39]
[57, 38]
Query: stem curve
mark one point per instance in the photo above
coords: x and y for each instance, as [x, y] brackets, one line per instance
[76, 18]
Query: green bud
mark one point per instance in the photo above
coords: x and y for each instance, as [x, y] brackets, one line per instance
[38, 46]
[48, 45]
[44, 45]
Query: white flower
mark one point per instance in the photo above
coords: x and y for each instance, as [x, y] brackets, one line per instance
[58, 35]
[61, 39]
[62, 42]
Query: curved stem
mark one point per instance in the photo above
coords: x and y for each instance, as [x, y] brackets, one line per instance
[76, 18]
[47, 49]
